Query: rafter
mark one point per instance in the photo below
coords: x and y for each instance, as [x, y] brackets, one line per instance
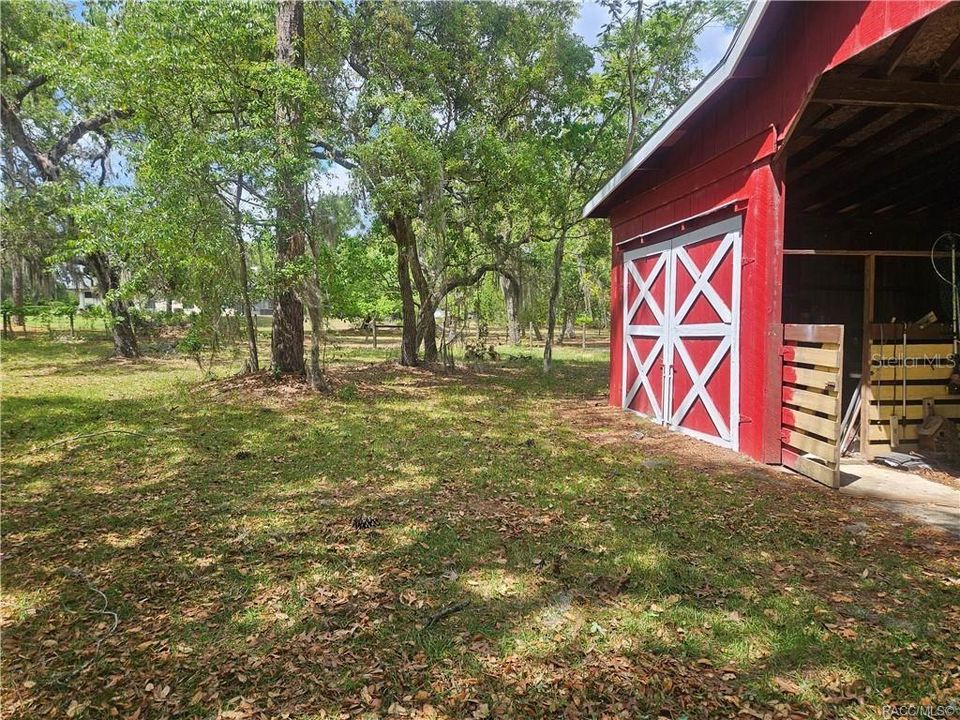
[894, 56]
[855, 162]
[949, 61]
[831, 137]
[874, 194]
[867, 92]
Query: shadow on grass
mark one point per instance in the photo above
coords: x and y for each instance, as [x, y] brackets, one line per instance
[225, 545]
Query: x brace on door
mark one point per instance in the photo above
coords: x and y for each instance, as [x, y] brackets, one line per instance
[645, 295]
[658, 273]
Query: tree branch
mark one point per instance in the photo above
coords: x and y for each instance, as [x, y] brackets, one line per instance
[75, 133]
[333, 154]
[13, 127]
[30, 87]
[464, 280]
[48, 163]
[102, 158]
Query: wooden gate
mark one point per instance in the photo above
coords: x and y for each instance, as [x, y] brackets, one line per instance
[681, 309]
[811, 395]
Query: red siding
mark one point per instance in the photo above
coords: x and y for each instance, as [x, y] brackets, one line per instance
[728, 154]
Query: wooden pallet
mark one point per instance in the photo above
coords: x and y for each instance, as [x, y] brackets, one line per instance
[811, 396]
[925, 363]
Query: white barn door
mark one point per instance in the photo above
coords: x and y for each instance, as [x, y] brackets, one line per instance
[681, 305]
[646, 297]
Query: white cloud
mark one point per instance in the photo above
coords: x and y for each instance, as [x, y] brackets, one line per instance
[335, 180]
[592, 18]
[711, 45]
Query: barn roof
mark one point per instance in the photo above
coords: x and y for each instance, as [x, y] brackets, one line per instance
[724, 71]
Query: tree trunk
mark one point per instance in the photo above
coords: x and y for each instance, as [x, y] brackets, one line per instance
[584, 287]
[554, 297]
[481, 325]
[427, 324]
[401, 230]
[169, 306]
[253, 356]
[511, 296]
[633, 117]
[16, 286]
[287, 340]
[124, 337]
[315, 311]
[427, 331]
[564, 327]
[16, 262]
[569, 326]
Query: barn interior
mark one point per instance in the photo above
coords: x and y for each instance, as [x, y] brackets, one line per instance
[872, 183]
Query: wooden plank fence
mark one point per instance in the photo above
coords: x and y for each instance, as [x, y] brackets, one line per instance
[904, 371]
[811, 397]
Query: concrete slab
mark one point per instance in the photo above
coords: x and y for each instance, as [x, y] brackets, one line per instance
[876, 481]
[945, 518]
[903, 492]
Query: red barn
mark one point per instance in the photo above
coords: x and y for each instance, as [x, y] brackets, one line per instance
[775, 240]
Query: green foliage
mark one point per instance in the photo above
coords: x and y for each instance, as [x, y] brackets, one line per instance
[95, 312]
[648, 52]
[477, 350]
[347, 392]
[487, 125]
[359, 277]
[193, 344]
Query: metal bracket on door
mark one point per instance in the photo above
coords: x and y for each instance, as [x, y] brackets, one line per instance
[667, 373]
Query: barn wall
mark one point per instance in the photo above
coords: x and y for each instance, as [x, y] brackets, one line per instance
[761, 189]
[729, 153]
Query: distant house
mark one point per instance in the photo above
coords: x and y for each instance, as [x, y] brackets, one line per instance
[169, 305]
[87, 298]
[263, 307]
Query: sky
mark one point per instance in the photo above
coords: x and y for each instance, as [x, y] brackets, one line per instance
[711, 45]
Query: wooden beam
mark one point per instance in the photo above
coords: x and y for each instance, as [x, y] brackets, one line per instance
[891, 59]
[862, 253]
[873, 92]
[849, 171]
[866, 391]
[938, 191]
[829, 138]
[895, 186]
[802, 332]
[949, 61]
[942, 200]
[829, 227]
[849, 158]
[921, 157]
[814, 113]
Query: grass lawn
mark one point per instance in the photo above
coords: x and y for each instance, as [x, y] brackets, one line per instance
[208, 566]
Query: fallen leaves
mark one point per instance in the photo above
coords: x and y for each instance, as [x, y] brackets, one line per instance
[596, 588]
